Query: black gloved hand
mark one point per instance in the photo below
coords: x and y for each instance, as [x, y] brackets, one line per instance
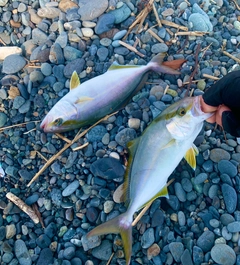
[226, 92]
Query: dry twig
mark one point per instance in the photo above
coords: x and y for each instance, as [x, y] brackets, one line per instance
[80, 147]
[63, 138]
[172, 24]
[23, 206]
[155, 35]
[211, 77]
[35, 208]
[156, 15]
[191, 33]
[195, 69]
[237, 6]
[76, 138]
[131, 48]
[231, 56]
[16, 125]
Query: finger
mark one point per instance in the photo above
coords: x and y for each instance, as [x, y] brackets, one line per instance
[212, 119]
[219, 113]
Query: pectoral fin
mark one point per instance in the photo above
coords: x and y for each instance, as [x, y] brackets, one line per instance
[83, 99]
[190, 156]
[162, 193]
[74, 81]
[169, 144]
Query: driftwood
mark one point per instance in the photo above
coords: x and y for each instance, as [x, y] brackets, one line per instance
[23, 206]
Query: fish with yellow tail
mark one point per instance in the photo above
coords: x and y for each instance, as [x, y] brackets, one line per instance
[94, 99]
[152, 158]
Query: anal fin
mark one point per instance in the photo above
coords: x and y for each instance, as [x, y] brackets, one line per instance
[190, 156]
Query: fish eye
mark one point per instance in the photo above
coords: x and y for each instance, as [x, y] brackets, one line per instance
[181, 111]
[58, 121]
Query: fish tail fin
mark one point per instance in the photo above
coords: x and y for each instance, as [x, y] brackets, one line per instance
[156, 65]
[120, 224]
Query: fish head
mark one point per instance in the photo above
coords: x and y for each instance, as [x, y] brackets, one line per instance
[185, 117]
[61, 118]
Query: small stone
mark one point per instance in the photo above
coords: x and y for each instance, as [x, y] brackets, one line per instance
[45, 257]
[71, 188]
[206, 241]
[134, 123]
[226, 167]
[121, 13]
[226, 219]
[200, 178]
[104, 23]
[147, 238]
[91, 242]
[107, 168]
[159, 48]
[118, 195]
[13, 64]
[176, 249]
[230, 197]
[3, 119]
[198, 255]
[87, 32]
[89, 10]
[223, 254]
[153, 251]
[64, 5]
[168, 12]
[125, 136]
[108, 206]
[104, 251]
[39, 37]
[22, 253]
[10, 231]
[234, 227]
[48, 12]
[186, 258]
[179, 191]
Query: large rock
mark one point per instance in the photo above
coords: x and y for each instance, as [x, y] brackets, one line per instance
[90, 9]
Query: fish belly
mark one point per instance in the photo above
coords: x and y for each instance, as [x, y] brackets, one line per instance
[153, 163]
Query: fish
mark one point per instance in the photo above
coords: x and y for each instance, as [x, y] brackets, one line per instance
[152, 158]
[92, 100]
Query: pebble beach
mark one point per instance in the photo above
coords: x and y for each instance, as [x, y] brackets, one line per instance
[41, 43]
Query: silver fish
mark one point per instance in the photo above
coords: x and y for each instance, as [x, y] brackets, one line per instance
[153, 157]
[94, 99]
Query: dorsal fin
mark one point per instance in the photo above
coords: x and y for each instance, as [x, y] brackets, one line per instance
[74, 81]
[190, 156]
[132, 147]
[116, 66]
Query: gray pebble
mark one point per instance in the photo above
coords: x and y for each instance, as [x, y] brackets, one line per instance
[234, 227]
[223, 254]
[22, 253]
[104, 23]
[159, 47]
[147, 238]
[206, 241]
[179, 191]
[125, 136]
[230, 197]
[177, 250]
[3, 119]
[46, 69]
[119, 35]
[13, 63]
[226, 167]
[71, 188]
[200, 178]
[104, 251]
[121, 13]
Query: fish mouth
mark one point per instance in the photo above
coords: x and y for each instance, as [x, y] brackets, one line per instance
[197, 109]
[44, 125]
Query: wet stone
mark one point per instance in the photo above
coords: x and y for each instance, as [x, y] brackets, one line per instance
[121, 13]
[186, 258]
[159, 47]
[71, 188]
[218, 154]
[43, 241]
[22, 253]
[230, 197]
[234, 227]
[104, 251]
[107, 168]
[125, 136]
[179, 191]
[32, 199]
[226, 219]
[147, 238]
[198, 255]
[206, 241]
[13, 64]
[223, 254]
[200, 178]
[226, 167]
[3, 119]
[96, 134]
[45, 257]
[91, 242]
[176, 249]
[91, 9]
